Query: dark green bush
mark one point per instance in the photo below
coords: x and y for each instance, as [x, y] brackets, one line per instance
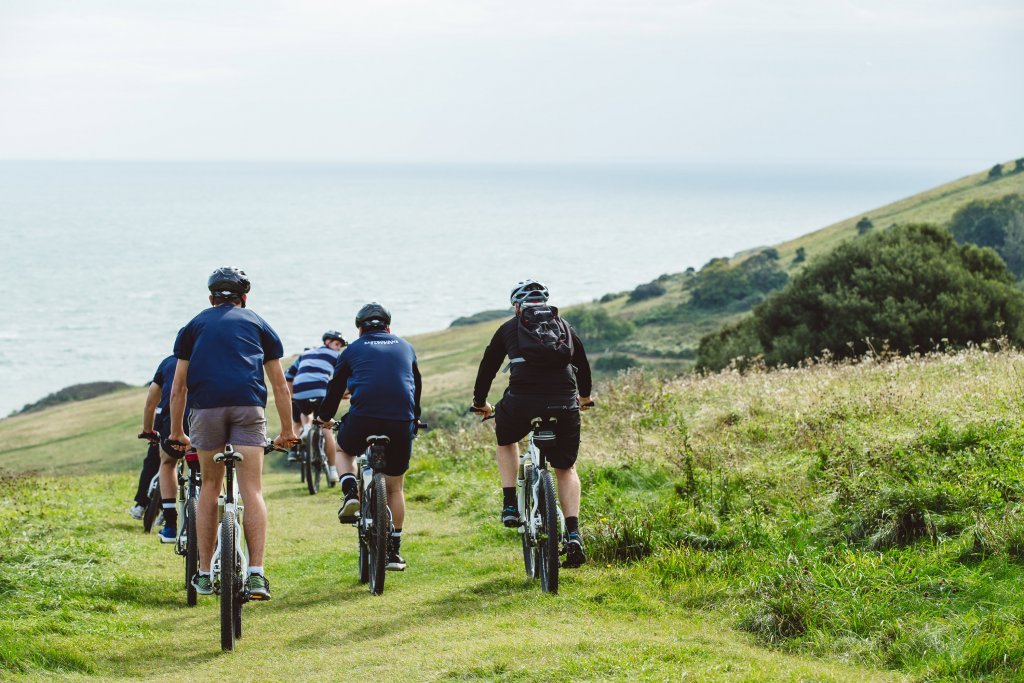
[482, 316]
[614, 362]
[720, 285]
[646, 291]
[596, 327]
[996, 223]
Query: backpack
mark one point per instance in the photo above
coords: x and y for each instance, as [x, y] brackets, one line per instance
[544, 339]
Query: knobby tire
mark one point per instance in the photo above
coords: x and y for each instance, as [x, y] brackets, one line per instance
[313, 467]
[547, 535]
[378, 533]
[229, 590]
[191, 550]
[152, 510]
[528, 559]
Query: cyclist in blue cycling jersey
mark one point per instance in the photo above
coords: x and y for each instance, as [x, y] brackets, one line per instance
[380, 371]
[222, 355]
[313, 369]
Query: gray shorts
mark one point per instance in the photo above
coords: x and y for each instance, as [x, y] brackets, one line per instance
[210, 428]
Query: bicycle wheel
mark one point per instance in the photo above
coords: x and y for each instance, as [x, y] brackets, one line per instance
[191, 551]
[378, 533]
[324, 464]
[229, 588]
[313, 469]
[547, 534]
[364, 559]
[528, 545]
[152, 510]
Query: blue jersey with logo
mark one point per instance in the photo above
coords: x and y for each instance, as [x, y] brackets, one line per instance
[381, 372]
[313, 371]
[226, 347]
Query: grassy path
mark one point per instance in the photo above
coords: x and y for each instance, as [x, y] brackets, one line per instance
[111, 608]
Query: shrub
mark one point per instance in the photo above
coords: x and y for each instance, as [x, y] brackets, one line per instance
[482, 316]
[646, 291]
[720, 285]
[907, 287]
[997, 223]
[995, 172]
[596, 327]
[801, 255]
[864, 225]
[614, 362]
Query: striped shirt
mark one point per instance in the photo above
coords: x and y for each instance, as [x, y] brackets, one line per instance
[314, 369]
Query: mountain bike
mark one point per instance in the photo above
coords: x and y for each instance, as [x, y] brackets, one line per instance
[153, 509]
[373, 525]
[541, 522]
[314, 461]
[187, 543]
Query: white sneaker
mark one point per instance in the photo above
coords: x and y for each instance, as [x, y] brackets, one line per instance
[136, 511]
[332, 474]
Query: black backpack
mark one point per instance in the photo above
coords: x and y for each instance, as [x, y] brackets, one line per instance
[544, 338]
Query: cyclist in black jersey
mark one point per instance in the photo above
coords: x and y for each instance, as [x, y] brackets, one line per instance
[537, 391]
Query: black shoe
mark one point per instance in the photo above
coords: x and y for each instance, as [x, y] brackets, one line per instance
[348, 513]
[395, 562]
[573, 547]
[510, 516]
[293, 455]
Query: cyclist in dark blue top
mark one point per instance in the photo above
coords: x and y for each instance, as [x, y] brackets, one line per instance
[380, 371]
[222, 356]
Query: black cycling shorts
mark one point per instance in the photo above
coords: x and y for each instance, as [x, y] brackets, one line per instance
[304, 406]
[355, 428]
[512, 418]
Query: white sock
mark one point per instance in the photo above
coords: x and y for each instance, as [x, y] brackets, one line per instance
[255, 570]
[202, 573]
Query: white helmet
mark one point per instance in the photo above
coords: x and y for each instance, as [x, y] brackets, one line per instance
[529, 293]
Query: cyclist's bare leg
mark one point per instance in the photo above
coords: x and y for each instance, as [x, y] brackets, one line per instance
[568, 491]
[168, 478]
[250, 486]
[396, 498]
[332, 452]
[206, 513]
[508, 464]
[346, 463]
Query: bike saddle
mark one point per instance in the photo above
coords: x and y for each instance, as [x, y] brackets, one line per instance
[378, 440]
[229, 454]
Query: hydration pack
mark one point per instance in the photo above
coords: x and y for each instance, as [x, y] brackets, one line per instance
[544, 338]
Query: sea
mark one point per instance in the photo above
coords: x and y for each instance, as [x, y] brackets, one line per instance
[102, 262]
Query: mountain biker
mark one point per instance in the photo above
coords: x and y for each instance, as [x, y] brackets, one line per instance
[156, 420]
[380, 371]
[313, 370]
[150, 465]
[536, 390]
[222, 355]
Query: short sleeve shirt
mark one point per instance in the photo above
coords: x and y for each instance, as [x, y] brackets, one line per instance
[226, 347]
[379, 366]
[164, 378]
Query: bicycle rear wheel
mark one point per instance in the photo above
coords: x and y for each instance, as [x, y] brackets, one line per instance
[191, 551]
[229, 588]
[547, 534]
[152, 510]
[313, 463]
[378, 533]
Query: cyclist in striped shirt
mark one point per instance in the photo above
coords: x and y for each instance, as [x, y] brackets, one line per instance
[313, 370]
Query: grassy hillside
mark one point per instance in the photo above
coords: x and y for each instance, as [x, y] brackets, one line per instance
[851, 522]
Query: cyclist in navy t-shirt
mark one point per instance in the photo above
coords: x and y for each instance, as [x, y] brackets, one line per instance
[380, 371]
[222, 355]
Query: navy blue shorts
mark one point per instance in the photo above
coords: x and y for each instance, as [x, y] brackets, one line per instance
[355, 429]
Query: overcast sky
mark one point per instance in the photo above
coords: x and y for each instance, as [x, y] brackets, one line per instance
[916, 81]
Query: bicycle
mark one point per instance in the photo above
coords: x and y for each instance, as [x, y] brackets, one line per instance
[373, 525]
[153, 509]
[314, 459]
[541, 522]
[187, 543]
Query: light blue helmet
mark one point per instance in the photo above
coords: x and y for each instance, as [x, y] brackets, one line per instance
[529, 293]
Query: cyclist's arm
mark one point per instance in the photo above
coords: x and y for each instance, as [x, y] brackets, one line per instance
[282, 397]
[489, 366]
[335, 390]
[179, 392]
[584, 381]
[418, 382]
[152, 399]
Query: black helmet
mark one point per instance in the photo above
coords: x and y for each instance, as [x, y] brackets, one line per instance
[229, 280]
[334, 334]
[529, 292]
[373, 315]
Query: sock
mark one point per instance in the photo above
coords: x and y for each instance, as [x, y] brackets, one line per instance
[170, 513]
[202, 573]
[396, 539]
[572, 525]
[348, 483]
[509, 494]
[255, 570]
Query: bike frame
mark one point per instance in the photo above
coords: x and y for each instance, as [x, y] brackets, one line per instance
[188, 487]
[532, 460]
[229, 499]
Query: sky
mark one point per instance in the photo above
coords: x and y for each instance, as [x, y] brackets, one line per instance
[514, 81]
